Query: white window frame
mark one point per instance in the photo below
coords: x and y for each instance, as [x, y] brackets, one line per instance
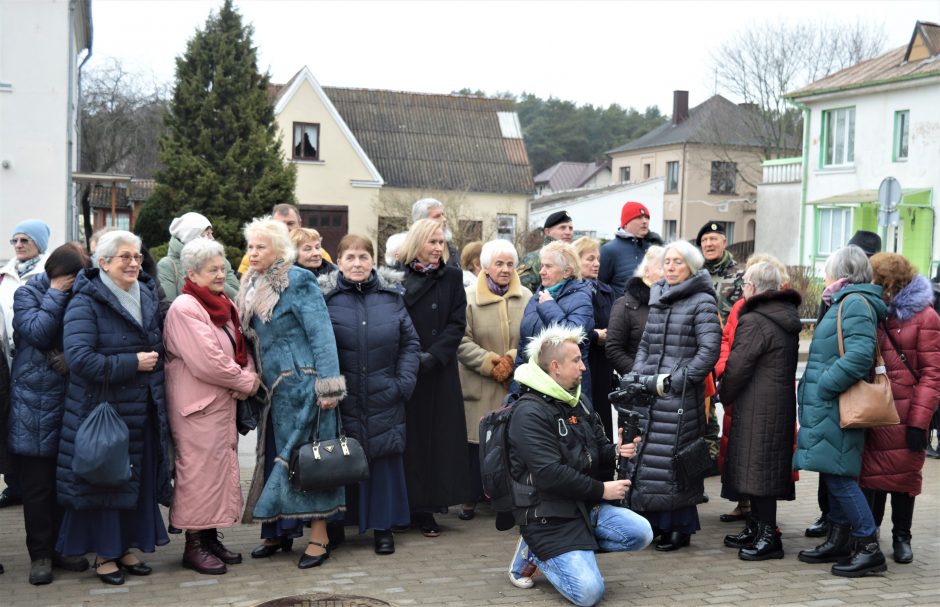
[506, 227]
[832, 235]
[902, 137]
[672, 164]
[624, 174]
[838, 137]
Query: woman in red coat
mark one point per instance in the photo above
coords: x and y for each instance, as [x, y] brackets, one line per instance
[910, 343]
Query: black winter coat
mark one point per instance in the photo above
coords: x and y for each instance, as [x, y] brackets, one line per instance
[378, 354]
[682, 339]
[602, 375]
[627, 321]
[99, 330]
[436, 461]
[759, 383]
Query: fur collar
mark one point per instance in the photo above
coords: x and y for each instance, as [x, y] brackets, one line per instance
[265, 288]
[389, 279]
[911, 299]
[639, 291]
[485, 296]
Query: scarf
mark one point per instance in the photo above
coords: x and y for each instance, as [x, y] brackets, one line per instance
[554, 290]
[421, 268]
[25, 267]
[832, 289]
[531, 375]
[221, 310]
[720, 264]
[129, 299]
[494, 288]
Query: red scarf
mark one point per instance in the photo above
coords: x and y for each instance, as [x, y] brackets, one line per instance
[221, 310]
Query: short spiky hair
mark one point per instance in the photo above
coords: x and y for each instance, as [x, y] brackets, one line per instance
[549, 340]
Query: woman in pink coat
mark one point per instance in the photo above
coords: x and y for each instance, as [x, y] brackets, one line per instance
[208, 368]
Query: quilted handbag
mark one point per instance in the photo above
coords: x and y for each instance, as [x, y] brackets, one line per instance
[327, 464]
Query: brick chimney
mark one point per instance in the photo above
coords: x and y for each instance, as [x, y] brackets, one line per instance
[680, 106]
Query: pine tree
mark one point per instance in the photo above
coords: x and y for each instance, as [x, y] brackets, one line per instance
[221, 151]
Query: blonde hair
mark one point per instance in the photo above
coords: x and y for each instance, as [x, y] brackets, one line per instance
[565, 255]
[654, 254]
[418, 236]
[585, 245]
[768, 258]
[301, 236]
[543, 347]
[274, 231]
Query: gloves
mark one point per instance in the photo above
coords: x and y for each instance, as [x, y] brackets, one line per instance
[662, 384]
[56, 360]
[916, 439]
[427, 362]
[503, 369]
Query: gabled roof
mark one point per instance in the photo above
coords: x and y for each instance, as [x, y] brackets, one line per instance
[138, 191]
[920, 58]
[716, 121]
[567, 175]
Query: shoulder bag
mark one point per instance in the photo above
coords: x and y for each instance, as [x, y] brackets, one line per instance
[864, 404]
[692, 462]
[327, 464]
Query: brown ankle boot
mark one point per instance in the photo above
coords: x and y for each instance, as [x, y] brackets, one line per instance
[196, 556]
[211, 539]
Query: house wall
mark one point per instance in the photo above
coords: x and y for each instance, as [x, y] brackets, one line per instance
[874, 137]
[778, 224]
[601, 179]
[35, 118]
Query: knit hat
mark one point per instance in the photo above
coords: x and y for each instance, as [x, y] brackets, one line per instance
[189, 227]
[866, 241]
[37, 231]
[631, 211]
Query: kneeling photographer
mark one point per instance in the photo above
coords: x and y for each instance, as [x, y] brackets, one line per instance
[558, 453]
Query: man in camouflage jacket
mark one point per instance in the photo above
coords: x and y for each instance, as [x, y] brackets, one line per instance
[558, 226]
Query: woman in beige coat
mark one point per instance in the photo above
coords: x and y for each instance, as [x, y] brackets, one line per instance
[207, 369]
[495, 303]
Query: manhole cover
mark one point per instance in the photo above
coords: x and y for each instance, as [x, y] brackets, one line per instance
[324, 600]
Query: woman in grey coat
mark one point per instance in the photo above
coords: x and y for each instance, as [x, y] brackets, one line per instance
[681, 341]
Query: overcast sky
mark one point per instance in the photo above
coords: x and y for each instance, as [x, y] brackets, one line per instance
[631, 53]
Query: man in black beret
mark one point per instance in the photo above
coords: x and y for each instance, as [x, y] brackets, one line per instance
[558, 226]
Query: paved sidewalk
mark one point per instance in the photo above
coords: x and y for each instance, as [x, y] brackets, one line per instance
[466, 566]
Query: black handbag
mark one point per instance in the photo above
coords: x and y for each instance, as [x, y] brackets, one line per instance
[692, 462]
[327, 464]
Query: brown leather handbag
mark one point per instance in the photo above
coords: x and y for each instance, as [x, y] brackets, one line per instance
[867, 404]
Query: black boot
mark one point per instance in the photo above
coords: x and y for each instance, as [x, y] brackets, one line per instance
[746, 537]
[820, 528]
[901, 545]
[866, 559]
[838, 545]
[766, 545]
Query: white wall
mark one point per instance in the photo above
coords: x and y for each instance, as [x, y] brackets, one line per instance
[778, 221]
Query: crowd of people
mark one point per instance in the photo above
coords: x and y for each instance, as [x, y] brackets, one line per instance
[405, 354]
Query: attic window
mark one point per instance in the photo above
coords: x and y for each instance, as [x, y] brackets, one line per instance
[306, 141]
[509, 125]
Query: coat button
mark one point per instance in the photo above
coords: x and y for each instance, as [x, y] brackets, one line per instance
[433, 306]
[363, 322]
[433, 331]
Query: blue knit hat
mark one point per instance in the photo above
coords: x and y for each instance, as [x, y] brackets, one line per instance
[37, 231]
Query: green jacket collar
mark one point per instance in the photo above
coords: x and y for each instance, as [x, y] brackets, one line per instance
[531, 375]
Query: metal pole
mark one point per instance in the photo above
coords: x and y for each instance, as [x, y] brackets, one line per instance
[114, 204]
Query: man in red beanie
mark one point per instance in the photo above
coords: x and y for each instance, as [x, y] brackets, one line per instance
[621, 255]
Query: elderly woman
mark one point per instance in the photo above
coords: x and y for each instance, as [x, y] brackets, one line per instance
[114, 349]
[822, 445]
[910, 343]
[563, 299]
[487, 352]
[171, 274]
[758, 382]
[680, 342]
[38, 403]
[470, 262]
[629, 312]
[435, 449]
[378, 354]
[602, 299]
[207, 369]
[283, 314]
[309, 247]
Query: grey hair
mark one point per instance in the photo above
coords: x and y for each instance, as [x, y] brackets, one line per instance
[276, 232]
[392, 245]
[654, 254]
[497, 247]
[422, 208]
[690, 253]
[564, 254]
[549, 340]
[764, 276]
[850, 263]
[197, 253]
[110, 242]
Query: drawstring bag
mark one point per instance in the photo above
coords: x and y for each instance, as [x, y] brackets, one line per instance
[102, 445]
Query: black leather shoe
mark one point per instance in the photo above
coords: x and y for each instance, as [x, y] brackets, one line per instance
[69, 563]
[673, 541]
[173, 530]
[384, 541]
[745, 538]
[866, 559]
[138, 568]
[40, 572]
[820, 528]
[933, 453]
[115, 578]
[766, 545]
[263, 551]
[466, 514]
[307, 561]
[901, 546]
[336, 532]
[837, 546]
[7, 499]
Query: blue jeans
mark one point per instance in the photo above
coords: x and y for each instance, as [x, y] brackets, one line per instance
[575, 574]
[848, 506]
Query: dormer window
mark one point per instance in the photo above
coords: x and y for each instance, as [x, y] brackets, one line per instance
[306, 141]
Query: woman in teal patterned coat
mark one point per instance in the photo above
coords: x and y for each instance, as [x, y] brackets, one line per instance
[283, 314]
[822, 445]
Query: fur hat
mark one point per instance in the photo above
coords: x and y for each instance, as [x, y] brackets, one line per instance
[866, 241]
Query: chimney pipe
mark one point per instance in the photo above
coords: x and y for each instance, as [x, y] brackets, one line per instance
[680, 106]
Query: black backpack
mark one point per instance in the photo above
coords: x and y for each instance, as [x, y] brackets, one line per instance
[494, 458]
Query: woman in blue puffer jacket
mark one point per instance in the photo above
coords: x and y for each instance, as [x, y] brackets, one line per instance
[378, 354]
[37, 403]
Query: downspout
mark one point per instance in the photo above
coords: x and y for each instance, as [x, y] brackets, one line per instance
[805, 177]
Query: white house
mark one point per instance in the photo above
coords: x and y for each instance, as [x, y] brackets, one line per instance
[879, 118]
[41, 48]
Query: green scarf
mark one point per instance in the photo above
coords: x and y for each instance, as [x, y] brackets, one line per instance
[531, 375]
[554, 290]
[719, 265]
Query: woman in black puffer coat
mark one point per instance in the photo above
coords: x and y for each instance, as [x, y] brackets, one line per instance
[378, 354]
[682, 341]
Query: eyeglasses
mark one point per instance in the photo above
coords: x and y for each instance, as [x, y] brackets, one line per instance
[16, 241]
[127, 257]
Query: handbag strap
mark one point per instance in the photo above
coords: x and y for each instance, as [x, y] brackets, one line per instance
[339, 423]
[901, 355]
[878, 361]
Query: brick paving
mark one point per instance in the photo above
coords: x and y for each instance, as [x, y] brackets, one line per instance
[466, 566]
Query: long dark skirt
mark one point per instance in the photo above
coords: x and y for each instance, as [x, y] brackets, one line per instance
[381, 502]
[683, 520]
